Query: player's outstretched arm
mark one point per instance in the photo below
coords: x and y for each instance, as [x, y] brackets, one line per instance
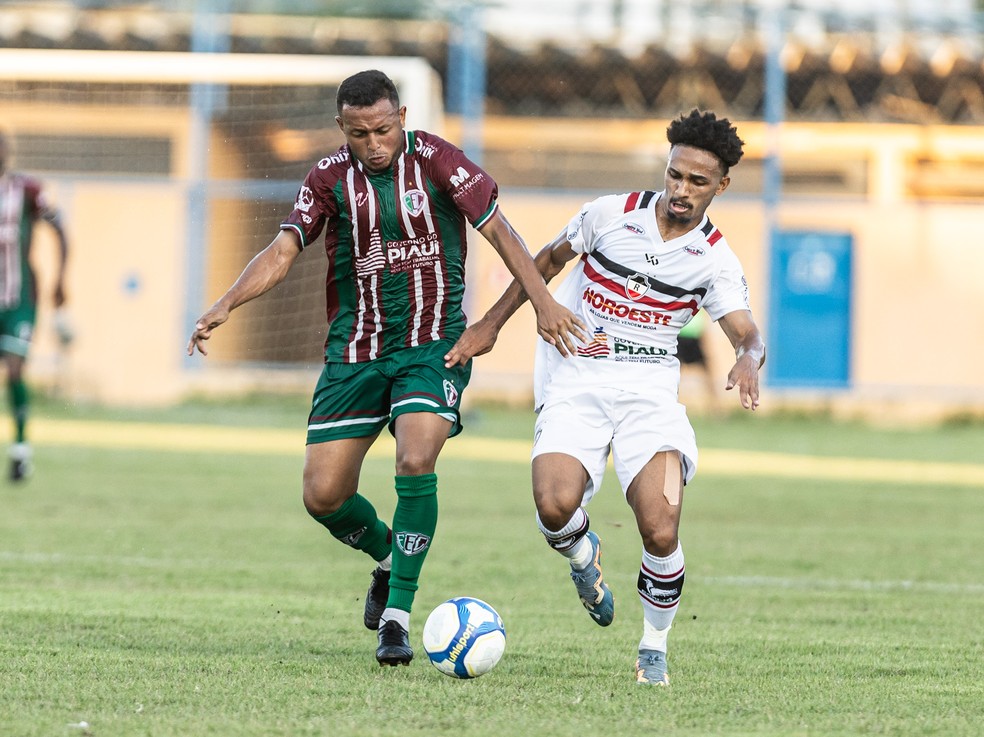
[267, 269]
[555, 323]
[749, 354]
[480, 337]
[53, 218]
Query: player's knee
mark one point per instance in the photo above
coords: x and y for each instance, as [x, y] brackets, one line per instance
[319, 499]
[660, 541]
[414, 462]
[553, 513]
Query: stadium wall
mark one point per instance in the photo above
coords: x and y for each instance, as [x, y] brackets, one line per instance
[917, 321]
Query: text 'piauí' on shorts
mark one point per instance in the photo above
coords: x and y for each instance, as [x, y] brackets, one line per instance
[355, 400]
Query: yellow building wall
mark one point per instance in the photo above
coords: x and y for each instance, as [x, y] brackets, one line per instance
[125, 294]
[918, 331]
[918, 312]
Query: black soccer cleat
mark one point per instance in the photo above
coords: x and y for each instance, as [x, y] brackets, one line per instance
[21, 465]
[394, 645]
[376, 596]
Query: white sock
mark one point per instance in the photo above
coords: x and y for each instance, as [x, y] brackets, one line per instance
[660, 585]
[386, 563]
[569, 540]
[390, 614]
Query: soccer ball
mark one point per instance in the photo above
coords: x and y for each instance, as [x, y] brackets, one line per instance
[464, 637]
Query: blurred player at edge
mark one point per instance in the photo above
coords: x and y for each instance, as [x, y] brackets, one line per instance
[22, 205]
[647, 262]
[394, 204]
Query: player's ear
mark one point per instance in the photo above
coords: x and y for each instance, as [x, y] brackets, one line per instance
[723, 184]
[341, 126]
[403, 115]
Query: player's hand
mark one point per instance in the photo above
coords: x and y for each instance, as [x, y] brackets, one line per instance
[745, 375]
[560, 327]
[204, 327]
[477, 340]
[63, 327]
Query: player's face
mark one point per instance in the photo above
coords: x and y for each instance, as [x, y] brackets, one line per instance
[375, 133]
[693, 177]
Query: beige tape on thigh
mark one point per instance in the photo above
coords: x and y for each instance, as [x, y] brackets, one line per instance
[672, 478]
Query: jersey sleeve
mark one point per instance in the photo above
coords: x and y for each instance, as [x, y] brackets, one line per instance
[729, 290]
[583, 228]
[471, 188]
[313, 206]
[34, 198]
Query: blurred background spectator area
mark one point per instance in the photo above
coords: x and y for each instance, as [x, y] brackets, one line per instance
[877, 134]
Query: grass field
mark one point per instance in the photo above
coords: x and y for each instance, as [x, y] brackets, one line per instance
[159, 576]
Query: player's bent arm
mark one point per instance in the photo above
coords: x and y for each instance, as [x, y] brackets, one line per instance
[549, 262]
[480, 337]
[53, 218]
[749, 355]
[265, 271]
[513, 252]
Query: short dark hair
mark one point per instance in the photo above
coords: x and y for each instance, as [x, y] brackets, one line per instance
[365, 89]
[706, 131]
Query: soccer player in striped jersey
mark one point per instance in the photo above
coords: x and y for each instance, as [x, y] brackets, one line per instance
[647, 263]
[22, 205]
[393, 205]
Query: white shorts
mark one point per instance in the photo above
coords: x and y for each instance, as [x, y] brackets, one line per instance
[634, 426]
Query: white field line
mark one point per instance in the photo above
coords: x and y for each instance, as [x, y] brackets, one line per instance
[271, 441]
[776, 582]
[759, 582]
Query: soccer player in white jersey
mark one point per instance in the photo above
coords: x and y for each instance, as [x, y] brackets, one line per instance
[647, 263]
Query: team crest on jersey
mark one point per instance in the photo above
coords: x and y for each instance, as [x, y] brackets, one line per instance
[636, 287]
[450, 393]
[305, 198]
[633, 228]
[412, 543]
[414, 201]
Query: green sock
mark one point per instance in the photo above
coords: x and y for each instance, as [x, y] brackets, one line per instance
[17, 390]
[355, 523]
[414, 523]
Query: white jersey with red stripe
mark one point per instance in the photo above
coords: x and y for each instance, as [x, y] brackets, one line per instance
[634, 291]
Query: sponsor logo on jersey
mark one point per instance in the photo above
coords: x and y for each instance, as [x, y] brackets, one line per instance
[634, 228]
[606, 306]
[305, 199]
[414, 201]
[694, 250]
[637, 349]
[464, 185]
[651, 259]
[450, 393]
[636, 286]
[413, 253]
[340, 158]
[572, 232]
[412, 543]
[372, 261]
[423, 149]
[361, 198]
[460, 177]
[598, 347]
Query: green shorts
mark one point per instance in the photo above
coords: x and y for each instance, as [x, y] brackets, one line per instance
[356, 400]
[17, 328]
